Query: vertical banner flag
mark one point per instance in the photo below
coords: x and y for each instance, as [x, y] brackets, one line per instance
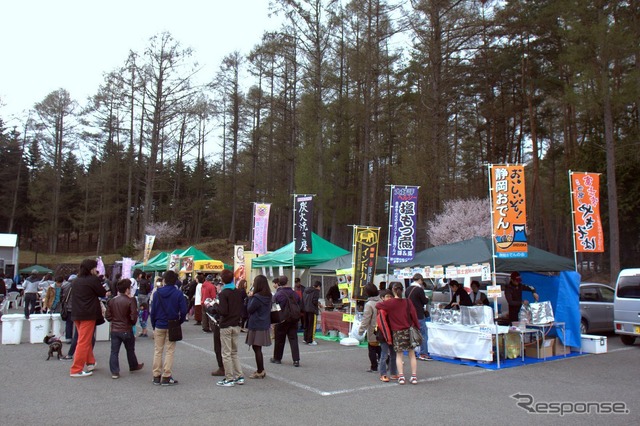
[238, 264]
[187, 264]
[585, 189]
[402, 224]
[365, 257]
[100, 267]
[127, 266]
[304, 216]
[148, 245]
[174, 263]
[260, 227]
[509, 211]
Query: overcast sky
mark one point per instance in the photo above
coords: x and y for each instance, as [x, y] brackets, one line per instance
[70, 44]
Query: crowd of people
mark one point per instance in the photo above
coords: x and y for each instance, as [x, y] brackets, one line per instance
[227, 309]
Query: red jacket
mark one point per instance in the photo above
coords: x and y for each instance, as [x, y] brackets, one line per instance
[398, 313]
[208, 291]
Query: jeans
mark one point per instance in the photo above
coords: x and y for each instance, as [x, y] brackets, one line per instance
[287, 329]
[160, 342]
[374, 356]
[424, 348]
[229, 340]
[68, 329]
[30, 299]
[118, 338]
[387, 352]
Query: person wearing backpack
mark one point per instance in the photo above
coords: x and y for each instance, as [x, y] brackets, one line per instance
[290, 307]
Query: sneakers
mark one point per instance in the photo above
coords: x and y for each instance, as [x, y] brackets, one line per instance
[413, 380]
[115, 375]
[91, 367]
[296, 363]
[67, 358]
[137, 367]
[384, 378]
[372, 370]
[239, 381]
[425, 357]
[314, 343]
[275, 361]
[401, 380]
[81, 374]
[226, 383]
[168, 381]
[156, 380]
[257, 375]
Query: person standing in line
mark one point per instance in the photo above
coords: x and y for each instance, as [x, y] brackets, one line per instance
[229, 307]
[69, 328]
[259, 323]
[198, 306]
[52, 298]
[402, 315]
[87, 290]
[215, 327]
[144, 289]
[387, 353]
[299, 289]
[242, 285]
[415, 293]
[311, 303]
[287, 329]
[30, 294]
[208, 294]
[168, 304]
[368, 324]
[123, 315]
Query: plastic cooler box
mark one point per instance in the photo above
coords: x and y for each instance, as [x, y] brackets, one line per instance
[40, 325]
[57, 325]
[102, 332]
[12, 329]
[593, 344]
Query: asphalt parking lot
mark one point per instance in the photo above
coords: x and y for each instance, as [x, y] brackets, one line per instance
[330, 387]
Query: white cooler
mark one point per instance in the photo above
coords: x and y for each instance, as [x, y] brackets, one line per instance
[40, 325]
[102, 332]
[57, 326]
[12, 329]
[593, 344]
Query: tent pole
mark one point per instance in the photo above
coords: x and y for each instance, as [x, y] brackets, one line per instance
[293, 235]
[573, 222]
[389, 232]
[493, 271]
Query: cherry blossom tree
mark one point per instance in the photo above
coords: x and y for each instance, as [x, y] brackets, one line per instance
[460, 220]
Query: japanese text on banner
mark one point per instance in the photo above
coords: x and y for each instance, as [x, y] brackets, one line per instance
[585, 189]
[402, 225]
[304, 216]
[365, 258]
[260, 227]
[509, 211]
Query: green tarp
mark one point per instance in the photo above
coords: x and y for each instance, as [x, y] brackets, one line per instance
[478, 250]
[323, 251]
[343, 262]
[156, 263]
[192, 251]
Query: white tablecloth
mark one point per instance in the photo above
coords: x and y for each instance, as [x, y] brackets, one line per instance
[463, 341]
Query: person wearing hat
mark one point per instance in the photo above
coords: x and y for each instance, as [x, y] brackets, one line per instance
[460, 297]
[513, 294]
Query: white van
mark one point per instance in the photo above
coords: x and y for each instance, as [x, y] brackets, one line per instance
[626, 306]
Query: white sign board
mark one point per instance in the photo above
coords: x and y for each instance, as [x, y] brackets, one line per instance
[494, 291]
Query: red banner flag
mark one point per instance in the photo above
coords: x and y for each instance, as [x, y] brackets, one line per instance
[585, 190]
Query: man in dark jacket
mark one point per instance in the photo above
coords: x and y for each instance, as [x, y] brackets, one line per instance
[513, 294]
[415, 293]
[311, 305]
[168, 304]
[287, 329]
[229, 307]
[123, 315]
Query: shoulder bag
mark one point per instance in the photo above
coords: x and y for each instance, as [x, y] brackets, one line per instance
[414, 334]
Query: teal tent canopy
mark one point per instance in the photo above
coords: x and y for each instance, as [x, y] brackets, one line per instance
[192, 251]
[343, 262]
[156, 263]
[37, 268]
[323, 251]
[478, 250]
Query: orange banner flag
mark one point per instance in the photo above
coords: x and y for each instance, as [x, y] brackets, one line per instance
[509, 206]
[585, 190]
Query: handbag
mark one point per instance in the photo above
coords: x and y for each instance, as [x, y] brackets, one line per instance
[414, 334]
[276, 317]
[175, 330]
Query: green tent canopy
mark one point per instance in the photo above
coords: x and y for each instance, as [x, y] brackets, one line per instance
[38, 268]
[478, 250]
[156, 263]
[323, 251]
[192, 251]
[343, 262]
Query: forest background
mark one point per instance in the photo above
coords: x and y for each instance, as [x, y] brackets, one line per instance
[344, 100]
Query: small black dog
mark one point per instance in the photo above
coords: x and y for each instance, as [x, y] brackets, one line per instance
[55, 345]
